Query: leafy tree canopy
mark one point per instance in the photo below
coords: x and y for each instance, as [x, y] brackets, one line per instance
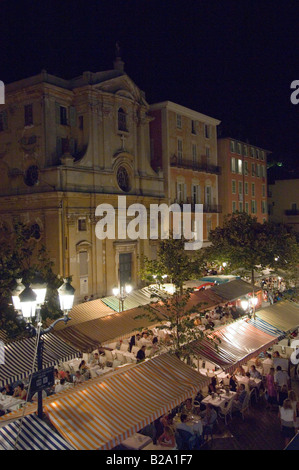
[245, 243]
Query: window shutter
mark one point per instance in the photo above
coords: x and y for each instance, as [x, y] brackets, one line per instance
[57, 113]
[185, 193]
[73, 116]
[198, 195]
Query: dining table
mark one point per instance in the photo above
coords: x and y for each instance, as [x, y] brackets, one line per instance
[137, 441]
[194, 421]
[242, 379]
[10, 403]
[219, 399]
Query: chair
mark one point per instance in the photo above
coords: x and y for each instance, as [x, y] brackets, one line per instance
[124, 347]
[120, 357]
[109, 355]
[226, 411]
[196, 406]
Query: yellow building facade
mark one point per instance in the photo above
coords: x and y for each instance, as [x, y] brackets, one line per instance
[66, 147]
[184, 146]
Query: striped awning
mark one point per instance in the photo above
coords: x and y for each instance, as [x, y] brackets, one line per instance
[102, 415]
[283, 315]
[267, 328]
[88, 335]
[19, 355]
[132, 300]
[239, 342]
[232, 290]
[35, 434]
[84, 312]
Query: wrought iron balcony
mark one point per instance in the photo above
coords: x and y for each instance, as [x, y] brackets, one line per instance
[207, 208]
[203, 167]
[291, 212]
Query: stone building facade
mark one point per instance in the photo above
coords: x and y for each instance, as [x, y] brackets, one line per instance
[67, 146]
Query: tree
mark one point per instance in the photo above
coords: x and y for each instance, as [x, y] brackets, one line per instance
[21, 257]
[174, 262]
[245, 243]
[178, 309]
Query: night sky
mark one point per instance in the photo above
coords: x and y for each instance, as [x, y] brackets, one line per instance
[233, 60]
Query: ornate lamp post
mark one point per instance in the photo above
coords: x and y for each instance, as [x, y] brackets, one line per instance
[29, 301]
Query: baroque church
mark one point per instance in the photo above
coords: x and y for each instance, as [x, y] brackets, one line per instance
[67, 146]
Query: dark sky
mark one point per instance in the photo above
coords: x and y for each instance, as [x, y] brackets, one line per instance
[231, 59]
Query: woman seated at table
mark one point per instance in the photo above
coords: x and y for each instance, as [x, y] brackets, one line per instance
[20, 392]
[79, 379]
[254, 373]
[212, 385]
[84, 369]
[96, 360]
[233, 383]
[209, 417]
[240, 371]
[187, 407]
[167, 439]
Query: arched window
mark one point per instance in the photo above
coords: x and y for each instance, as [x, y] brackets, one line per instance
[122, 120]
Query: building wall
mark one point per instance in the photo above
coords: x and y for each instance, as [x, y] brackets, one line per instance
[60, 168]
[187, 174]
[283, 202]
[243, 179]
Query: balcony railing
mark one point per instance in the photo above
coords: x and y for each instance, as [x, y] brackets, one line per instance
[195, 166]
[207, 208]
[291, 212]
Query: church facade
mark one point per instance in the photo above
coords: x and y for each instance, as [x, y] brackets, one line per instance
[66, 147]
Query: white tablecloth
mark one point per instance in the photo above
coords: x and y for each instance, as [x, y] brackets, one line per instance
[9, 403]
[137, 441]
[218, 402]
[243, 380]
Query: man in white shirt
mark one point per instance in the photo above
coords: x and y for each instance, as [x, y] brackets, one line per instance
[281, 377]
[61, 386]
[183, 424]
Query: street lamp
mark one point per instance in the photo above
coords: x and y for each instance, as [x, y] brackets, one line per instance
[66, 294]
[244, 305]
[15, 294]
[27, 299]
[30, 301]
[122, 294]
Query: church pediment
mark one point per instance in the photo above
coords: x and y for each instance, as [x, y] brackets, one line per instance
[123, 86]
